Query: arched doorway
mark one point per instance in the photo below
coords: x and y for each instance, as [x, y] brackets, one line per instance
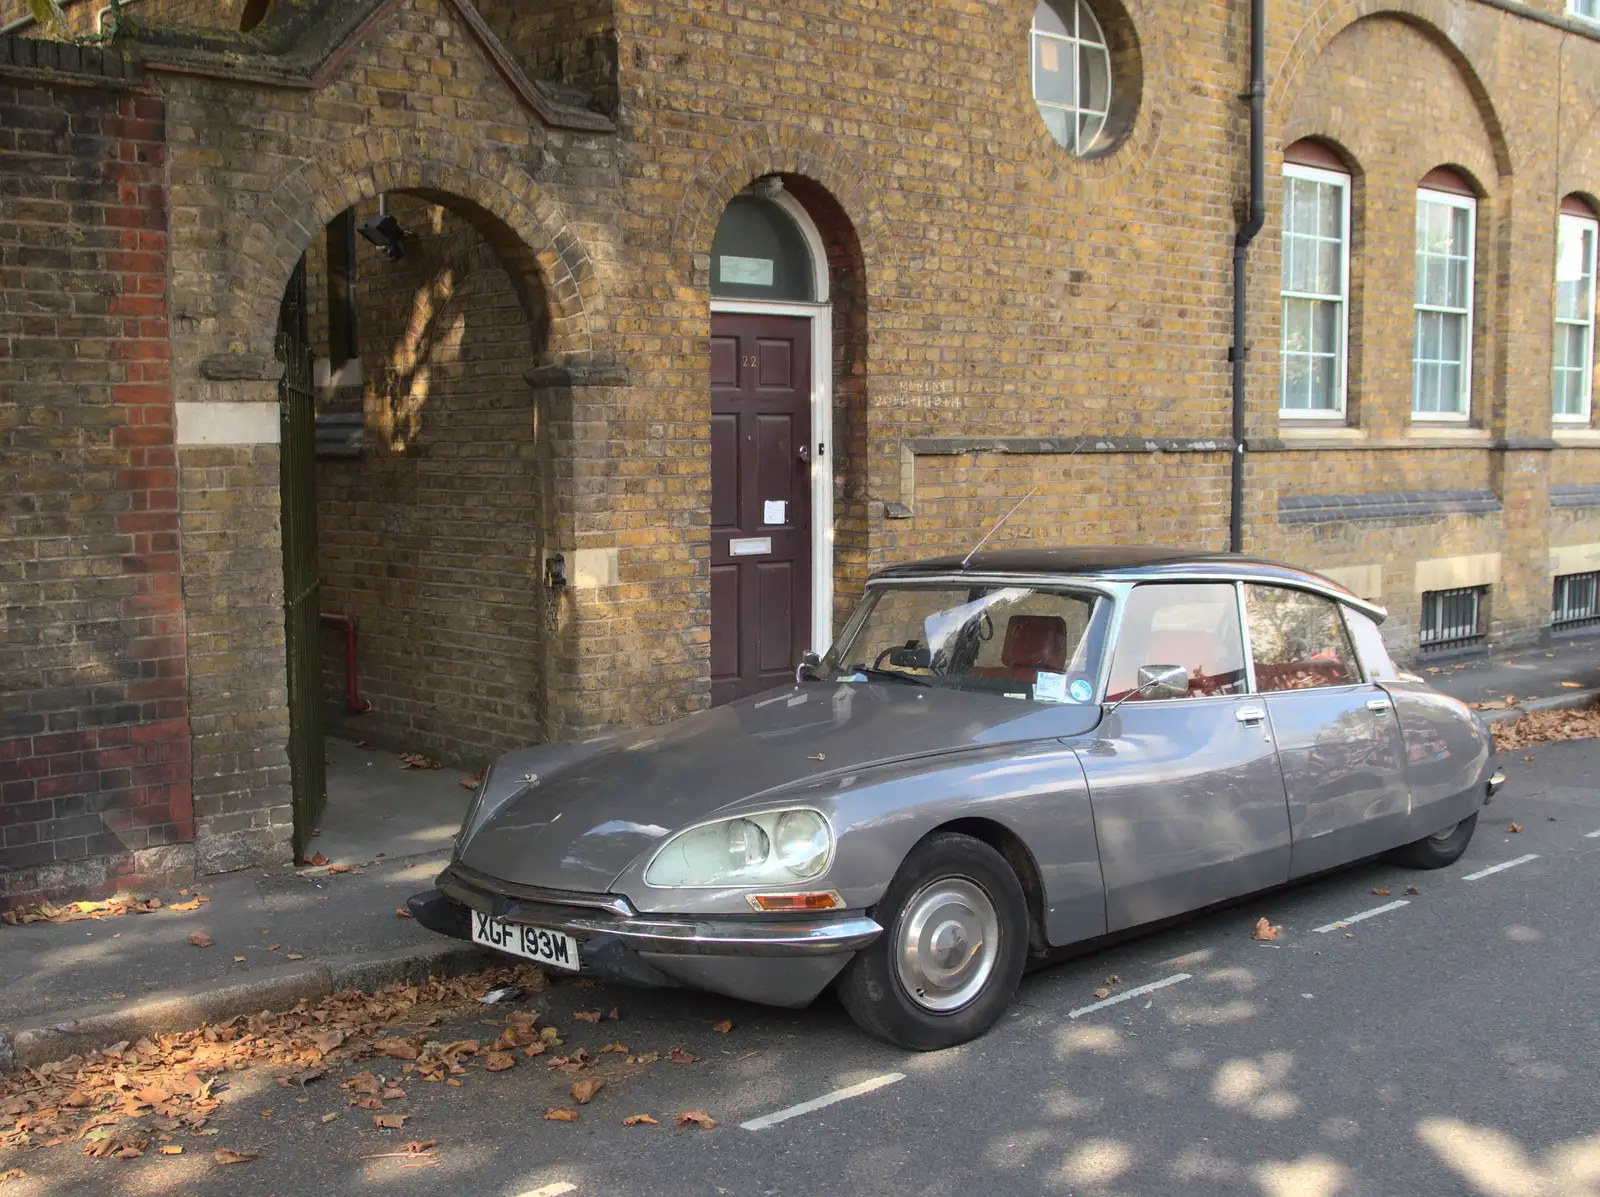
[771, 420]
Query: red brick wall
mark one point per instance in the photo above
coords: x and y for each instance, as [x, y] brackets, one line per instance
[94, 741]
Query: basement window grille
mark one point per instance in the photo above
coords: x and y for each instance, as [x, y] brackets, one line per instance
[1576, 602]
[1453, 618]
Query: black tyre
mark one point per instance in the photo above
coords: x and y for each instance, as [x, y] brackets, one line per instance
[955, 938]
[1442, 848]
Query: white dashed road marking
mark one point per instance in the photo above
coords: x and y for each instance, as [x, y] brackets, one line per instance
[1365, 914]
[1593, 835]
[827, 1099]
[550, 1190]
[1132, 993]
[1504, 864]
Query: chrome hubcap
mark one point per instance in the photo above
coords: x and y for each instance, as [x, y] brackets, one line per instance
[947, 945]
[1449, 831]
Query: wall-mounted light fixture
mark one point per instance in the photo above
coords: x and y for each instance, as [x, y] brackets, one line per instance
[384, 231]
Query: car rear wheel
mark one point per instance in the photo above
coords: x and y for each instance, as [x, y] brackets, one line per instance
[954, 943]
[1443, 847]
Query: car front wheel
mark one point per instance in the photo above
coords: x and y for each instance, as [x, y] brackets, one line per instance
[955, 940]
[1443, 847]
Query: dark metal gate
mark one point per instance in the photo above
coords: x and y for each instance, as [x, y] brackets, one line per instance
[301, 587]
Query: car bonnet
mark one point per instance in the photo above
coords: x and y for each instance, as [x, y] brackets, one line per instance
[585, 820]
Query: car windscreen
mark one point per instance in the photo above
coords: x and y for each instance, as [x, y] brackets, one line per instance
[1030, 642]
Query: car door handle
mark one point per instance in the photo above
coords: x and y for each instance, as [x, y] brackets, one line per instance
[1377, 704]
[1250, 714]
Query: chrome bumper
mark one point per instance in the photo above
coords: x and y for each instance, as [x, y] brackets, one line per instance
[613, 917]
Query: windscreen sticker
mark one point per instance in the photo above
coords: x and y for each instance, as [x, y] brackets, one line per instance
[1081, 690]
[1050, 687]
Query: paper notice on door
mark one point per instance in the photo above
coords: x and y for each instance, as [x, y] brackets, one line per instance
[772, 511]
[1047, 55]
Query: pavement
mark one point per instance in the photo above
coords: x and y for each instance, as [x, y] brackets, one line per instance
[1439, 1042]
[280, 935]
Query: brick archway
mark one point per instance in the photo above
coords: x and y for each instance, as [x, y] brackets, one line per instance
[548, 264]
[1433, 18]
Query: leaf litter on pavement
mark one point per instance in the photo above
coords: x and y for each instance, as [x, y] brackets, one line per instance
[129, 1100]
[1539, 727]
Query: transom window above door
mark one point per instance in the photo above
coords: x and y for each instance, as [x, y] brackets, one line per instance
[1071, 73]
[759, 252]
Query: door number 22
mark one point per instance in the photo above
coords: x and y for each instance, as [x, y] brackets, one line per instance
[747, 361]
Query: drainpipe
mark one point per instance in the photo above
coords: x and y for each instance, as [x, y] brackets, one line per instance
[1241, 254]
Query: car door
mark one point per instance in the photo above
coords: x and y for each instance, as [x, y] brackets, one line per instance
[1337, 732]
[1187, 795]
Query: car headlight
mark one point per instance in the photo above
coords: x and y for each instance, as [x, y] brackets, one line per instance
[775, 848]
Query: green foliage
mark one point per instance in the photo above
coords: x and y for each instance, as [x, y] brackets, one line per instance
[52, 22]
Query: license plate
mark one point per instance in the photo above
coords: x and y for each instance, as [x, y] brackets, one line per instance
[547, 947]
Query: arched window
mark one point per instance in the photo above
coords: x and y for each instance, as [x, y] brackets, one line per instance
[1447, 212]
[759, 252]
[1574, 348]
[1316, 282]
[1071, 73]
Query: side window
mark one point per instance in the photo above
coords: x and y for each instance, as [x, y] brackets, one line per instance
[1195, 626]
[1298, 640]
[1369, 643]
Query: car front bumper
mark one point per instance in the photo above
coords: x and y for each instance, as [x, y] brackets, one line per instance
[775, 961]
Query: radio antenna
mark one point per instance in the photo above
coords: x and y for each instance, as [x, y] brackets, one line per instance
[997, 527]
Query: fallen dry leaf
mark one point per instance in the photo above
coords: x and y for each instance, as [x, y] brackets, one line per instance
[171, 1149]
[389, 1121]
[402, 912]
[415, 760]
[393, 1095]
[639, 1120]
[1515, 827]
[587, 1016]
[1113, 979]
[340, 868]
[367, 1103]
[469, 783]
[1264, 930]
[1572, 685]
[1411, 889]
[498, 1061]
[226, 1155]
[200, 939]
[560, 1114]
[643, 1058]
[678, 1056]
[613, 1016]
[723, 1027]
[618, 1048]
[316, 858]
[191, 904]
[697, 1118]
[583, 1091]
[293, 956]
[1102, 993]
[326, 1118]
[239, 959]
[1380, 891]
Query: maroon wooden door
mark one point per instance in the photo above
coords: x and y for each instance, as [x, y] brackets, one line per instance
[760, 501]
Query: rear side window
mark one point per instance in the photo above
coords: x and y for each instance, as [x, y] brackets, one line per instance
[1298, 640]
[1192, 625]
[1369, 643]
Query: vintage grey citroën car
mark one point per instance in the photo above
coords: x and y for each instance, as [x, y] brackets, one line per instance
[1000, 757]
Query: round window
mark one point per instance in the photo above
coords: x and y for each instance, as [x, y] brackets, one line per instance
[1071, 73]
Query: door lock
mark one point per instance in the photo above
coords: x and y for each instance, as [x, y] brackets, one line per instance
[805, 453]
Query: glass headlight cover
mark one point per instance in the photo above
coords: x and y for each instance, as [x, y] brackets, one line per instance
[774, 848]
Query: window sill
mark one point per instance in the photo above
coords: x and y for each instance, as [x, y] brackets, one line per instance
[1318, 431]
[1454, 433]
[1575, 438]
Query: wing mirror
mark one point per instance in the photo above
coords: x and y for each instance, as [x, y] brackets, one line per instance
[806, 671]
[1163, 681]
[1158, 681]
